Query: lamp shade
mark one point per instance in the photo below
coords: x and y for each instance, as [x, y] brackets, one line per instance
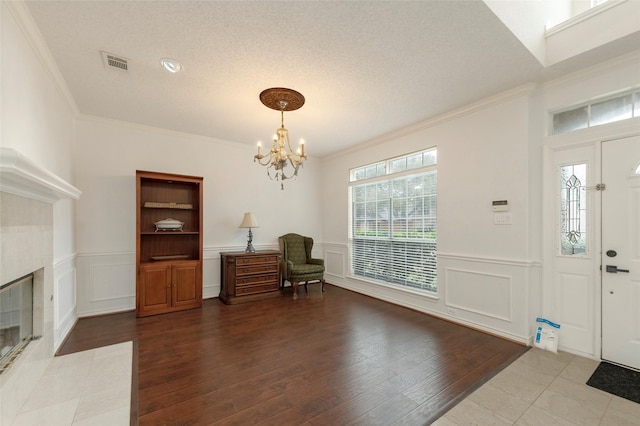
[249, 221]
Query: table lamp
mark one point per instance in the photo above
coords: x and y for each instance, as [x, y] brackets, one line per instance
[249, 221]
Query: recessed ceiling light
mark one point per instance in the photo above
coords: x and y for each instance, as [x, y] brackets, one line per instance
[171, 65]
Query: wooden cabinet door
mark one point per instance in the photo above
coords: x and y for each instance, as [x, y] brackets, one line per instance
[185, 284]
[155, 289]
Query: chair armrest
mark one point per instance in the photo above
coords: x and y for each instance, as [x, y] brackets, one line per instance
[316, 261]
[285, 268]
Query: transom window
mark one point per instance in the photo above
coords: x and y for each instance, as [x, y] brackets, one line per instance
[617, 108]
[393, 220]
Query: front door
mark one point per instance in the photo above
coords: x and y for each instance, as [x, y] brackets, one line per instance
[621, 251]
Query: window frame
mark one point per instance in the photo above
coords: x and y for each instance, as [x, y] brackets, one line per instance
[397, 242]
[587, 106]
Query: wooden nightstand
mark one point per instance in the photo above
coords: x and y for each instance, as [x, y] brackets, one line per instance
[246, 277]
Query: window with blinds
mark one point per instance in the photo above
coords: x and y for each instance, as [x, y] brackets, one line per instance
[393, 220]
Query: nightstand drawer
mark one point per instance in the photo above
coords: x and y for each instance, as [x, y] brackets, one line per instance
[258, 288]
[256, 269]
[250, 280]
[256, 260]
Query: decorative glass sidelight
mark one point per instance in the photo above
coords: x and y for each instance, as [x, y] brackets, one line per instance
[573, 209]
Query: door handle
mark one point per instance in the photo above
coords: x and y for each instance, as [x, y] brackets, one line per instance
[614, 269]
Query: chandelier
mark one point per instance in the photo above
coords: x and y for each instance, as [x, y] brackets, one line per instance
[281, 154]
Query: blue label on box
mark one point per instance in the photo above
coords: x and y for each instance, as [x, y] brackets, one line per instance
[546, 321]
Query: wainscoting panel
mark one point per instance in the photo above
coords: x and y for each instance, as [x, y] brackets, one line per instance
[482, 293]
[334, 262]
[64, 298]
[106, 283]
[110, 282]
[492, 294]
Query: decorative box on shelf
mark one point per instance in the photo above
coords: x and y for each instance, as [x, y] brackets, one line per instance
[246, 277]
[169, 225]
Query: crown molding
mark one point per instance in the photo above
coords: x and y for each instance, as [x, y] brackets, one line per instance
[594, 70]
[517, 92]
[27, 25]
[158, 130]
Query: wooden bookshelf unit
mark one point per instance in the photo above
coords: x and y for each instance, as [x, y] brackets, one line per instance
[168, 258]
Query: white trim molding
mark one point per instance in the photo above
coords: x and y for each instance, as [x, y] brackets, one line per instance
[498, 261]
[21, 176]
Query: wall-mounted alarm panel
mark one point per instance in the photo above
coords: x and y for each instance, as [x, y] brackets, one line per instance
[500, 206]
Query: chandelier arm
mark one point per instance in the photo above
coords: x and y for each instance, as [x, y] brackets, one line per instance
[284, 176]
[259, 160]
[295, 163]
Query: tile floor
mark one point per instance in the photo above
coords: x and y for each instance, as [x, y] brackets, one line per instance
[85, 388]
[542, 388]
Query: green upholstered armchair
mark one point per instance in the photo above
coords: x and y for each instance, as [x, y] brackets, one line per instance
[297, 265]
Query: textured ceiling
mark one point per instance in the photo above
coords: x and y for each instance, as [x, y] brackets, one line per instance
[366, 68]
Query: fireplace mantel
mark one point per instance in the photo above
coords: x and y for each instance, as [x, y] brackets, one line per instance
[21, 176]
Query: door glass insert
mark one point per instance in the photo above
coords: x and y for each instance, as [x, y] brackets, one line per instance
[573, 209]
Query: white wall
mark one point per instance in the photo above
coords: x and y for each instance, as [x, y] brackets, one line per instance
[107, 156]
[486, 272]
[37, 121]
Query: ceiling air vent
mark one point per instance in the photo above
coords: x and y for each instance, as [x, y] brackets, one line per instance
[113, 61]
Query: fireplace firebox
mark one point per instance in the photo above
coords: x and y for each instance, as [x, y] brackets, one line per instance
[16, 319]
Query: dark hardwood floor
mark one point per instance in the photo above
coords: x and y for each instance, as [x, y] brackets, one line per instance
[337, 358]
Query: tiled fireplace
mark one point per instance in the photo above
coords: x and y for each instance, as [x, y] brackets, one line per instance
[27, 195]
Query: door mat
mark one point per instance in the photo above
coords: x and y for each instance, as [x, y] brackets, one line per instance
[616, 380]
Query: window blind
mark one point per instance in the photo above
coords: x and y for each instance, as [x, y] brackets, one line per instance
[393, 227]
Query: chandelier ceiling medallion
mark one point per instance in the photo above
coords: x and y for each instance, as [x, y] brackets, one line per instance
[281, 154]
